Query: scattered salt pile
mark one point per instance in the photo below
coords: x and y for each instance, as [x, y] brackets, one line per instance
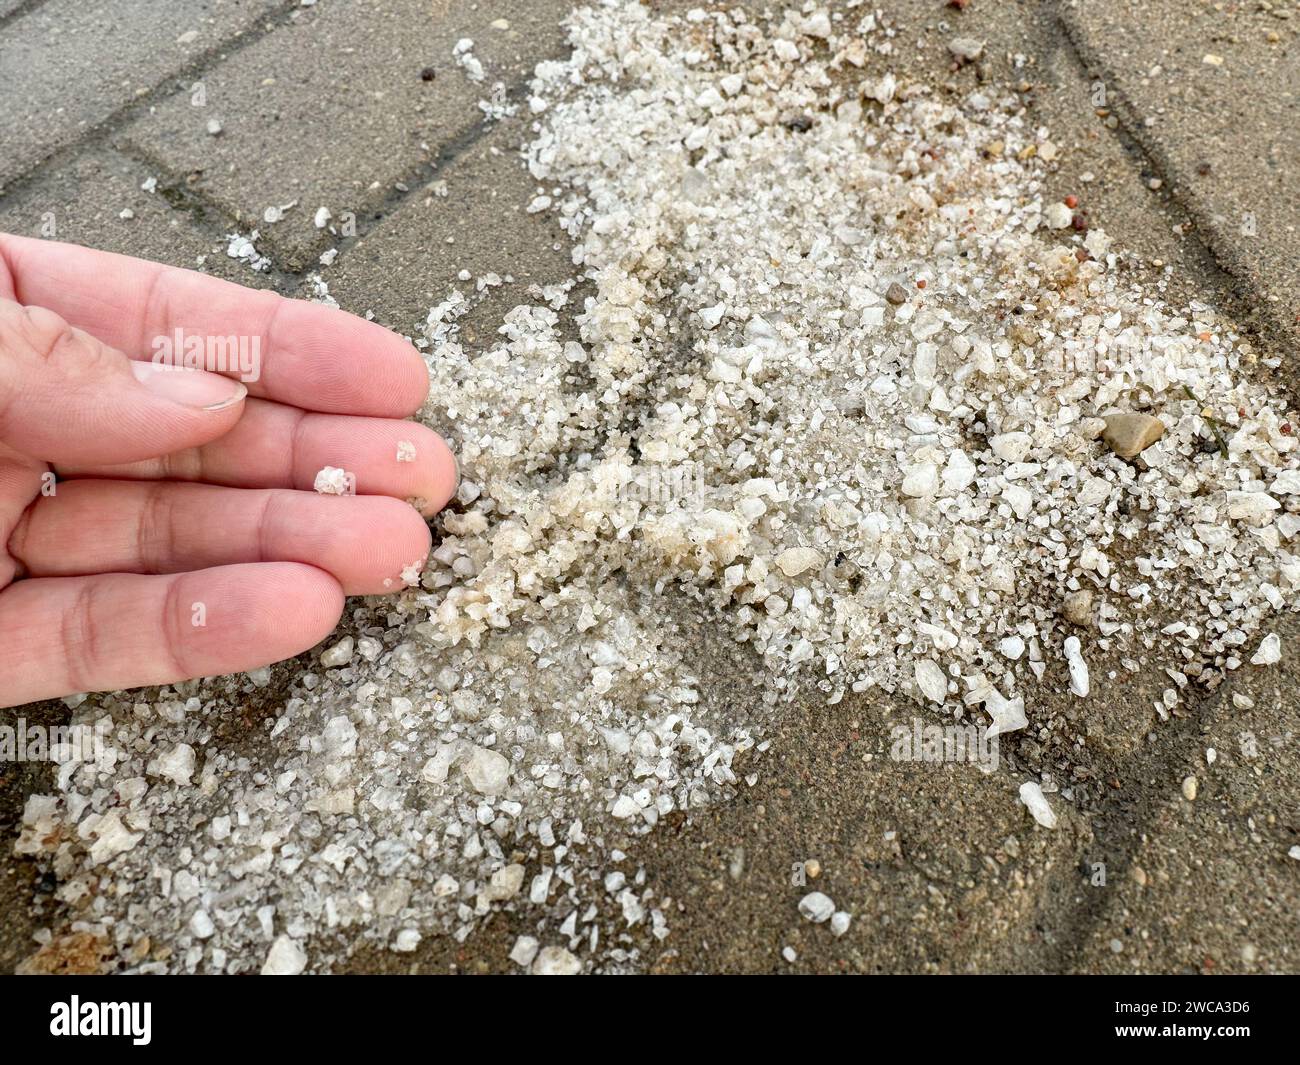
[840, 382]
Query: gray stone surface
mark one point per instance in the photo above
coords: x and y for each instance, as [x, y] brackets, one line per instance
[476, 220]
[326, 106]
[67, 66]
[1211, 93]
[8, 7]
[332, 109]
[83, 199]
[1205, 885]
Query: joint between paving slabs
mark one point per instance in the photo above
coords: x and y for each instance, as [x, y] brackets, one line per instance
[97, 134]
[25, 8]
[1246, 300]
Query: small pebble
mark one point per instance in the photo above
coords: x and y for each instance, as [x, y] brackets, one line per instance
[896, 293]
[966, 48]
[1077, 608]
[1128, 435]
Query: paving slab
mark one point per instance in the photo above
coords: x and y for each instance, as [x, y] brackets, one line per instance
[98, 199]
[472, 216]
[1200, 876]
[1211, 92]
[347, 107]
[67, 66]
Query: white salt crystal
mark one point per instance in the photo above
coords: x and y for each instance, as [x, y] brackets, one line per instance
[338, 655]
[285, 958]
[921, 480]
[1057, 215]
[1077, 666]
[796, 560]
[201, 925]
[1031, 794]
[524, 951]
[1011, 447]
[487, 771]
[1269, 652]
[1012, 647]
[1251, 506]
[930, 679]
[556, 961]
[177, 764]
[332, 481]
[816, 907]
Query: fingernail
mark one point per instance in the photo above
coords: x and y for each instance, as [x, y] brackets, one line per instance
[193, 388]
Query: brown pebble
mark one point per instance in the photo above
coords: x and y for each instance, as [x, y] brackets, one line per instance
[896, 294]
[1128, 435]
[1077, 608]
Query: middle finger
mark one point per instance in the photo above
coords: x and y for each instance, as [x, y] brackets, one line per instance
[92, 526]
[274, 446]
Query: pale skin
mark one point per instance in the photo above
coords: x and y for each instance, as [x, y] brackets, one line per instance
[161, 525]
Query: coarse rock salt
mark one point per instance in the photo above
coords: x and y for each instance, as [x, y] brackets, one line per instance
[930, 679]
[816, 907]
[556, 961]
[1057, 215]
[524, 951]
[1269, 651]
[333, 481]
[338, 655]
[285, 958]
[1077, 666]
[1031, 794]
[797, 560]
[487, 771]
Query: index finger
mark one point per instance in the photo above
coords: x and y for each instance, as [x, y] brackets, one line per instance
[303, 354]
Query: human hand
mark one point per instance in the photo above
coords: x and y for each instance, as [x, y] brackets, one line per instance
[158, 524]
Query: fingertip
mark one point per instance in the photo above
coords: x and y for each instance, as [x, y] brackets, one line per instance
[444, 477]
[318, 596]
[329, 360]
[398, 371]
[397, 542]
[277, 609]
